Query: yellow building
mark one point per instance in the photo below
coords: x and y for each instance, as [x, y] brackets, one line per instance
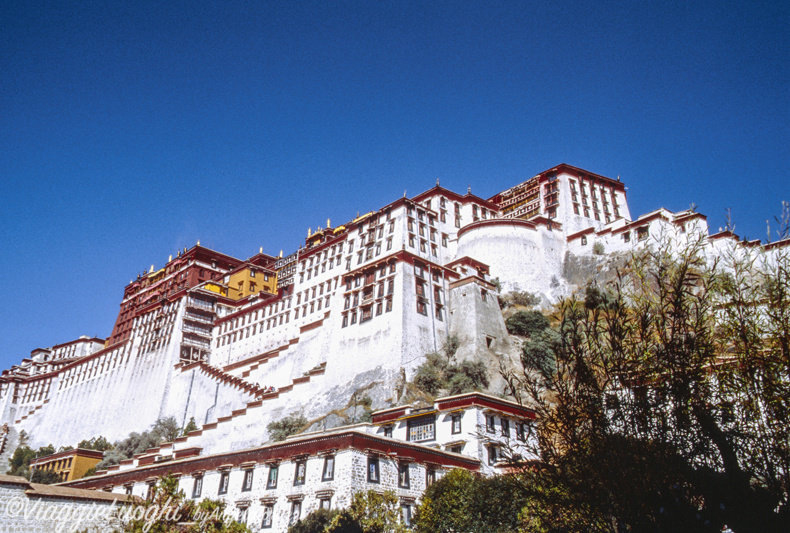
[68, 465]
[246, 280]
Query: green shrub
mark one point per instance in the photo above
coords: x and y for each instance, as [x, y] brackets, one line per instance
[285, 427]
[526, 323]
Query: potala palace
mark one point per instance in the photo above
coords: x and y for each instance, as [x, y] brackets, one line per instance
[239, 343]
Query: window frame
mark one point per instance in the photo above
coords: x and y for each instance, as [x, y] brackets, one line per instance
[374, 468]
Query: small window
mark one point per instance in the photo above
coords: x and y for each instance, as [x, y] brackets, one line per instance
[299, 473]
[405, 514]
[296, 511]
[388, 431]
[430, 476]
[243, 512]
[403, 475]
[373, 469]
[329, 468]
[505, 424]
[223, 482]
[247, 484]
[584, 240]
[271, 482]
[490, 423]
[492, 455]
[197, 488]
[268, 514]
[456, 424]
[325, 503]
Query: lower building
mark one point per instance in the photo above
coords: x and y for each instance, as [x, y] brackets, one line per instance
[36, 508]
[68, 465]
[404, 450]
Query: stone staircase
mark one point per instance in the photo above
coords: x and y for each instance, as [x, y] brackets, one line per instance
[8, 443]
[193, 438]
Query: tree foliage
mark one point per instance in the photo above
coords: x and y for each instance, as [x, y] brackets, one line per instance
[438, 373]
[169, 511]
[663, 398]
[285, 427]
[369, 512]
[526, 323]
[466, 502]
[19, 462]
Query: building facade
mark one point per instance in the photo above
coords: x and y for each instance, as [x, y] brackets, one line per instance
[239, 343]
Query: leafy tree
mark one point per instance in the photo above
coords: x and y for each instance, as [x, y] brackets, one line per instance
[99, 444]
[438, 373]
[191, 426]
[168, 510]
[526, 323]
[45, 451]
[369, 512]
[662, 397]
[19, 463]
[315, 522]
[46, 477]
[464, 501]
[285, 427]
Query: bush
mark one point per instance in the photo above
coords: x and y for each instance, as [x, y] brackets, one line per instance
[315, 522]
[436, 374]
[526, 323]
[524, 299]
[598, 248]
[285, 427]
[46, 477]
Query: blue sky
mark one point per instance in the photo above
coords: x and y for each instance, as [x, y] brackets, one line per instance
[129, 130]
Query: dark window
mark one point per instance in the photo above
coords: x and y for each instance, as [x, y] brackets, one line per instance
[430, 477]
[505, 427]
[223, 482]
[299, 473]
[490, 423]
[268, 513]
[247, 484]
[197, 487]
[403, 475]
[492, 455]
[296, 511]
[388, 431]
[271, 482]
[373, 469]
[456, 428]
[405, 513]
[329, 468]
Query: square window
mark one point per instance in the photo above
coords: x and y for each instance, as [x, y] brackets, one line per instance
[329, 468]
[271, 481]
[421, 429]
[388, 431]
[373, 469]
[325, 503]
